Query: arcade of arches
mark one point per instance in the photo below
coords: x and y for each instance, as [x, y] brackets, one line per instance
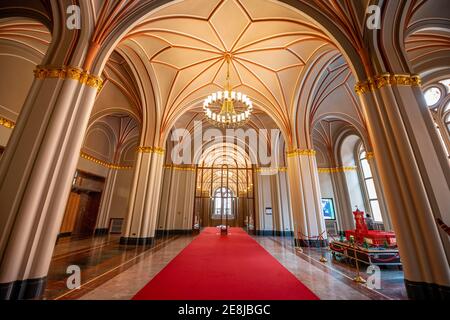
[355, 117]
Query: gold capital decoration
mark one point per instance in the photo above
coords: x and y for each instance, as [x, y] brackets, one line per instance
[301, 152]
[157, 150]
[370, 155]
[270, 169]
[7, 123]
[104, 163]
[335, 170]
[68, 72]
[180, 168]
[387, 79]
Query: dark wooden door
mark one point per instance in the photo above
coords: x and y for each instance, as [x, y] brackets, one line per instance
[87, 216]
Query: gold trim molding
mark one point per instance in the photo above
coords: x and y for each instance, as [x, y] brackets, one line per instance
[7, 123]
[157, 150]
[387, 79]
[68, 72]
[180, 168]
[335, 170]
[299, 152]
[104, 163]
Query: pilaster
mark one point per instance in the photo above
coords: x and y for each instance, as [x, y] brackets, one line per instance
[105, 205]
[304, 189]
[343, 203]
[177, 204]
[144, 198]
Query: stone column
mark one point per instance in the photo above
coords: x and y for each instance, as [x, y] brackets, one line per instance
[36, 174]
[277, 221]
[305, 198]
[259, 203]
[189, 192]
[257, 190]
[177, 206]
[280, 203]
[414, 174]
[283, 191]
[102, 225]
[343, 204]
[144, 198]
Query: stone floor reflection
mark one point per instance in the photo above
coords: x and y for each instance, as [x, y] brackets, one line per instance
[392, 286]
[113, 271]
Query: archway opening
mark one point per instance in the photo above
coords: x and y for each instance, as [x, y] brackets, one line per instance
[224, 193]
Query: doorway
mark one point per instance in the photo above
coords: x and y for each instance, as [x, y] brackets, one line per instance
[83, 206]
[87, 214]
[224, 195]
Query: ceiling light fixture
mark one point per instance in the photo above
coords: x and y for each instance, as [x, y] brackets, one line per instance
[226, 100]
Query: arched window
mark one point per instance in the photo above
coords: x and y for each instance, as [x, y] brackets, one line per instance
[432, 96]
[223, 196]
[369, 185]
[447, 120]
[437, 97]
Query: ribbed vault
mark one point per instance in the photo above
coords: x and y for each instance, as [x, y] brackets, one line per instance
[186, 44]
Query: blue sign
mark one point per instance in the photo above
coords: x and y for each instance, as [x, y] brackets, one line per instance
[328, 209]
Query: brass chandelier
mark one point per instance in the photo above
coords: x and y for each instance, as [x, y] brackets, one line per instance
[226, 100]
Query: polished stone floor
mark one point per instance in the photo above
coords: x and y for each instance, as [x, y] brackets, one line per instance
[333, 279]
[113, 271]
[101, 259]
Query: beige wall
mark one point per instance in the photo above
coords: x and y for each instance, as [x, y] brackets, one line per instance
[121, 194]
[15, 82]
[5, 133]
[273, 193]
[97, 143]
[265, 201]
[92, 167]
[177, 199]
[326, 185]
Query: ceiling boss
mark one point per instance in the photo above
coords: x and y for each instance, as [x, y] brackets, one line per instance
[234, 108]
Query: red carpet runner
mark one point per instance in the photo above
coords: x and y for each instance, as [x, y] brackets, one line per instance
[233, 267]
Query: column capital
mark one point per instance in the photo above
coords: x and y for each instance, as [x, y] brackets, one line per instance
[387, 79]
[179, 167]
[370, 155]
[337, 169]
[7, 123]
[301, 152]
[270, 170]
[69, 72]
[148, 149]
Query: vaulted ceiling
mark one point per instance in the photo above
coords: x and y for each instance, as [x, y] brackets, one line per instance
[23, 44]
[187, 42]
[112, 138]
[273, 49]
